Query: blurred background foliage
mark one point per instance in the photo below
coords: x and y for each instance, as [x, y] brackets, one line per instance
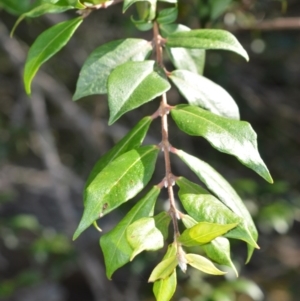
[48, 145]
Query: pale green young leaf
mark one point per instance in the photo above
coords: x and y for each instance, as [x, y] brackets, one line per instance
[117, 183]
[218, 250]
[46, 45]
[167, 15]
[164, 289]
[96, 69]
[225, 193]
[132, 139]
[203, 233]
[188, 221]
[229, 136]
[116, 249]
[203, 264]
[133, 84]
[143, 235]
[182, 58]
[207, 39]
[164, 269]
[200, 91]
[203, 206]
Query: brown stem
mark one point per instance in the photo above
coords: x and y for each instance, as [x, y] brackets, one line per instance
[165, 144]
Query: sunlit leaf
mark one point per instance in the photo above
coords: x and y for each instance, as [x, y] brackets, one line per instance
[203, 233]
[182, 58]
[132, 139]
[203, 264]
[164, 269]
[218, 250]
[96, 69]
[143, 235]
[133, 84]
[207, 39]
[117, 183]
[162, 221]
[225, 193]
[46, 45]
[188, 221]
[229, 136]
[164, 289]
[116, 249]
[200, 91]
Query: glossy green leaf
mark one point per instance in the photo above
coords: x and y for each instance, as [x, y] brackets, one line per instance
[96, 69]
[225, 193]
[133, 84]
[118, 182]
[164, 269]
[132, 139]
[46, 45]
[203, 264]
[207, 39]
[167, 15]
[116, 249]
[229, 136]
[44, 8]
[203, 206]
[182, 58]
[203, 233]
[200, 91]
[142, 235]
[218, 250]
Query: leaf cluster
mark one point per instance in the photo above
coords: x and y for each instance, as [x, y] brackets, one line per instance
[131, 72]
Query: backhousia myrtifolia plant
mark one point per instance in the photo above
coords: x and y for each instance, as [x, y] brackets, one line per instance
[131, 72]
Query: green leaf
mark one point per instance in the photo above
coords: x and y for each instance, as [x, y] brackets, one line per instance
[16, 7]
[133, 84]
[207, 39]
[164, 269]
[182, 58]
[200, 91]
[203, 264]
[229, 136]
[132, 139]
[96, 69]
[151, 11]
[203, 206]
[46, 45]
[142, 235]
[117, 183]
[116, 249]
[164, 289]
[203, 233]
[162, 221]
[188, 221]
[225, 193]
[218, 250]
[43, 8]
[167, 15]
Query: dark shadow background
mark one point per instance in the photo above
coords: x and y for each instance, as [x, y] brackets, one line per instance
[48, 145]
